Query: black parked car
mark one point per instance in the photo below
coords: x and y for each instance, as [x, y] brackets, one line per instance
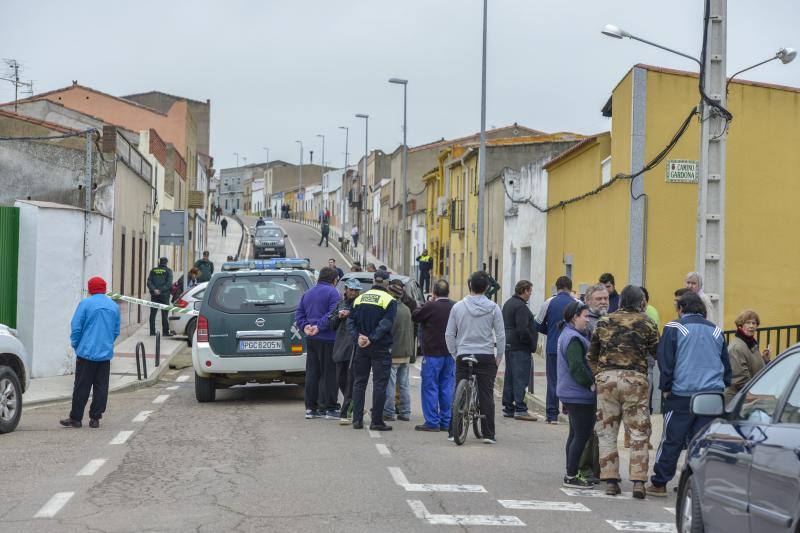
[742, 472]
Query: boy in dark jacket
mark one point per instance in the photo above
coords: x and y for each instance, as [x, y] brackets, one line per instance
[521, 339]
[344, 346]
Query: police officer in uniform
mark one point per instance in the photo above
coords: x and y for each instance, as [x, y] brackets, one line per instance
[425, 263]
[370, 324]
[159, 283]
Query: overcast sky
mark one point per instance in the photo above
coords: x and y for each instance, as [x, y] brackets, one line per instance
[278, 71]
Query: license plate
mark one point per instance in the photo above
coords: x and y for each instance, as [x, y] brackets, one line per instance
[260, 346]
[269, 249]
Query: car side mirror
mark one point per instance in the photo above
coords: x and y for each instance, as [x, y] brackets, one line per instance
[708, 404]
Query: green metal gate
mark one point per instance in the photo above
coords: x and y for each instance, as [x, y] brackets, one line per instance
[9, 254]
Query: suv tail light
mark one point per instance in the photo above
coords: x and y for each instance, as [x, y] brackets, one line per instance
[182, 303]
[202, 329]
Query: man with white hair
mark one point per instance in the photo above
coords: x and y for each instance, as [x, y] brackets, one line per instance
[694, 282]
[596, 298]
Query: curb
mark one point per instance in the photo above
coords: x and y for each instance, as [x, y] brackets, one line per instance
[127, 387]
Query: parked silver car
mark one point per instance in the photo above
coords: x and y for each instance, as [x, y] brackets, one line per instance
[182, 324]
[15, 377]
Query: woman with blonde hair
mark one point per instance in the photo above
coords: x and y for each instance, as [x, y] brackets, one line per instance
[746, 359]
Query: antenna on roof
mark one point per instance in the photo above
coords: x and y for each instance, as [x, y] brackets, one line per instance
[13, 77]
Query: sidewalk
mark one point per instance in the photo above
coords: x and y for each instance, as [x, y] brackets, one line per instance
[219, 247]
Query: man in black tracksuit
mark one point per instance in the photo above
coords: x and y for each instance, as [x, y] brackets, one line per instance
[521, 339]
[159, 283]
[370, 324]
[344, 346]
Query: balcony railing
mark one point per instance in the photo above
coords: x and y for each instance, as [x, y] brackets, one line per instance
[776, 338]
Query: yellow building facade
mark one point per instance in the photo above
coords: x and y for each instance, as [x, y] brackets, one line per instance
[763, 167]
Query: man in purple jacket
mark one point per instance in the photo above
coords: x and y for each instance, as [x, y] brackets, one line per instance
[312, 317]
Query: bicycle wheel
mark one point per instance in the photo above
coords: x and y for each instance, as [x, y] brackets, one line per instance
[476, 423]
[461, 412]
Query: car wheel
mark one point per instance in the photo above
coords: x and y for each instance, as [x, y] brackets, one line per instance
[689, 515]
[190, 332]
[204, 389]
[10, 400]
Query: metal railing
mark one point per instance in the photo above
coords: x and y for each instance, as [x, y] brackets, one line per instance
[141, 353]
[776, 338]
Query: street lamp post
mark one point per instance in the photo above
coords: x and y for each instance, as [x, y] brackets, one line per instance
[364, 185]
[324, 199]
[344, 179]
[300, 188]
[404, 245]
[482, 149]
[267, 205]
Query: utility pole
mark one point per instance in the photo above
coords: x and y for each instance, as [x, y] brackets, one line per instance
[710, 251]
[89, 169]
[362, 231]
[481, 152]
[405, 267]
[344, 180]
[300, 188]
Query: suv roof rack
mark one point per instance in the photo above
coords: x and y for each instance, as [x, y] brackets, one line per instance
[267, 264]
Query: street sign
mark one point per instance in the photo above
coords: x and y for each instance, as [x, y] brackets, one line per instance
[170, 228]
[197, 199]
[681, 171]
[300, 197]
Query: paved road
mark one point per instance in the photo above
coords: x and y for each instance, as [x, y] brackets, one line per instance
[251, 462]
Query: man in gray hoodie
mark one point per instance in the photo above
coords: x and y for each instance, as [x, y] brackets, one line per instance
[475, 327]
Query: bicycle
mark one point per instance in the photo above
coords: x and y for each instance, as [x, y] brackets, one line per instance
[466, 409]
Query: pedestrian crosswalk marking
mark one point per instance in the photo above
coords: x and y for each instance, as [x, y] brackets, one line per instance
[121, 437]
[647, 527]
[374, 434]
[181, 379]
[536, 505]
[142, 416]
[174, 387]
[161, 398]
[591, 493]
[400, 479]
[54, 505]
[461, 519]
[670, 510]
[383, 450]
[91, 467]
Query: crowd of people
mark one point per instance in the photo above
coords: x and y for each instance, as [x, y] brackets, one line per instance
[600, 353]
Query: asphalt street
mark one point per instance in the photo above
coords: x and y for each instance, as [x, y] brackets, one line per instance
[251, 462]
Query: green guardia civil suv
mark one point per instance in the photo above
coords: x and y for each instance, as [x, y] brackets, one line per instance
[245, 331]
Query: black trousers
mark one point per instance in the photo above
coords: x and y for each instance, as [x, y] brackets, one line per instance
[380, 362]
[590, 458]
[425, 280]
[162, 299]
[320, 392]
[581, 425]
[485, 373]
[224, 230]
[324, 237]
[90, 376]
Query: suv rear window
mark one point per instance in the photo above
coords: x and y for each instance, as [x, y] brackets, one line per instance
[253, 294]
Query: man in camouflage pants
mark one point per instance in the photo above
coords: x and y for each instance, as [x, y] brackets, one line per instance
[618, 353]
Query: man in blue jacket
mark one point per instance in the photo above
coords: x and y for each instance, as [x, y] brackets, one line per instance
[692, 358]
[95, 326]
[370, 324]
[313, 318]
[550, 315]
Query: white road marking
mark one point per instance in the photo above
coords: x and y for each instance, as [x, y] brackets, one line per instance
[121, 437]
[338, 251]
[142, 416]
[649, 527]
[174, 387]
[91, 467]
[374, 434]
[291, 242]
[54, 505]
[383, 450]
[161, 398]
[590, 493]
[181, 379]
[670, 510]
[536, 505]
[400, 479]
[461, 519]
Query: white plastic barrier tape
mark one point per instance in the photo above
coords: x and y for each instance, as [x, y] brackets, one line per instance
[148, 303]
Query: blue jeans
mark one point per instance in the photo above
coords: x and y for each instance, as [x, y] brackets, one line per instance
[438, 386]
[398, 375]
[551, 367]
[516, 378]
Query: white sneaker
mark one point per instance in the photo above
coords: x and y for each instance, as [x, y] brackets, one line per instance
[490, 441]
[451, 439]
[345, 421]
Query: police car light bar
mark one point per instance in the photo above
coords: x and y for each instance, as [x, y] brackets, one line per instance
[267, 264]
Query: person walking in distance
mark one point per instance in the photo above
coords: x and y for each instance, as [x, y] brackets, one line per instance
[224, 226]
[608, 282]
[521, 340]
[159, 283]
[370, 324]
[402, 350]
[692, 358]
[325, 230]
[438, 367]
[475, 328]
[550, 315]
[313, 318]
[354, 235]
[95, 326]
[576, 389]
[205, 266]
[618, 352]
[344, 347]
[425, 265]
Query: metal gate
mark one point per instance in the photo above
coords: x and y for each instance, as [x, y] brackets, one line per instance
[9, 254]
